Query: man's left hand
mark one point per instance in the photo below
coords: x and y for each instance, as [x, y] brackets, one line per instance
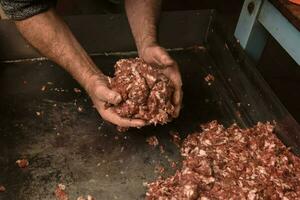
[158, 56]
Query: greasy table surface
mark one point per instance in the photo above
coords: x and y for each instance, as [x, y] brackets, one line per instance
[79, 149]
[290, 10]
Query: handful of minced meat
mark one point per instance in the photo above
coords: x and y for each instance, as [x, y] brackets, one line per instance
[146, 93]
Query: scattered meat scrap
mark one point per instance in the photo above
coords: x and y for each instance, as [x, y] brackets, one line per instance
[159, 169]
[122, 129]
[209, 79]
[60, 192]
[161, 149]
[146, 93]
[77, 90]
[238, 114]
[176, 138]
[22, 163]
[153, 141]
[232, 163]
[80, 109]
[173, 165]
[43, 88]
[226, 46]
[2, 188]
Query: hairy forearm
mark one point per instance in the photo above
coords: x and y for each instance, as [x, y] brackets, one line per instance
[143, 16]
[48, 33]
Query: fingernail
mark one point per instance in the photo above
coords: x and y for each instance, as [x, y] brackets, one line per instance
[115, 98]
[141, 123]
[118, 98]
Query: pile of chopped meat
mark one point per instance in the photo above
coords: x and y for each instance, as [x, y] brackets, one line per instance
[232, 163]
[146, 93]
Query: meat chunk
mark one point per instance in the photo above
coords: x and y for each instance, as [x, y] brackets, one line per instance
[153, 141]
[2, 188]
[22, 163]
[60, 192]
[209, 79]
[146, 93]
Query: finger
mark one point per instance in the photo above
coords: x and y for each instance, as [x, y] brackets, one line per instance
[105, 94]
[174, 75]
[177, 97]
[113, 117]
[177, 111]
[166, 59]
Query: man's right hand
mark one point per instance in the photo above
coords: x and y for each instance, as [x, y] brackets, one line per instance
[100, 93]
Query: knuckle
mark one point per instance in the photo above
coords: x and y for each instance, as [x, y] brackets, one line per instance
[111, 96]
[99, 91]
[123, 123]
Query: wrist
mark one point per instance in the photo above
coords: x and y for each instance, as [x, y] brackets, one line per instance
[145, 43]
[89, 80]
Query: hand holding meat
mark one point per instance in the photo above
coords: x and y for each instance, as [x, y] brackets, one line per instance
[158, 56]
[101, 94]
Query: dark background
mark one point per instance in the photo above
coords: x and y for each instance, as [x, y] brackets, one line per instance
[276, 66]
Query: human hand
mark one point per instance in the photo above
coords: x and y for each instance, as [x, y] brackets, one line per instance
[158, 56]
[97, 88]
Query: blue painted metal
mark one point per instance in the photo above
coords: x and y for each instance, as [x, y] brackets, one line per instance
[251, 34]
[281, 29]
[246, 22]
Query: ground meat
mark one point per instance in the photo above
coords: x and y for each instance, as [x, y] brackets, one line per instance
[175, 138]
[153, 141]
[232, 163]
[146, 93]
[209, 79]
[22, 163]
[159, 169]
[60, 192]
[2, 188]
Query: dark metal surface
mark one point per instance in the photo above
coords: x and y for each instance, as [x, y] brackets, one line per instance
[78, 148]
[88, 155]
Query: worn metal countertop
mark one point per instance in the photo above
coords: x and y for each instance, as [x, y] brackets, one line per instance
[79, 149]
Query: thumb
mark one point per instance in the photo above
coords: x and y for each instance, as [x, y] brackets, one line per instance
[166, 60]
[162, 57]
[156, 55]
[107, 95]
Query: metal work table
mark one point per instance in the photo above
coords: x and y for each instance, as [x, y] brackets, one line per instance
[87, 154]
